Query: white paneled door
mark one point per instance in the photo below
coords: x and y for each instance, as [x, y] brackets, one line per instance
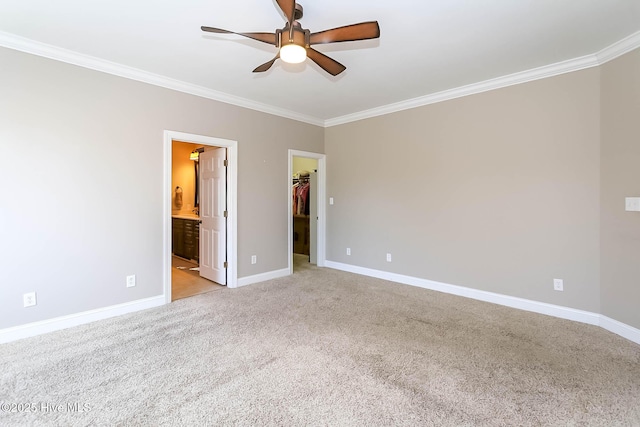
[213, 215]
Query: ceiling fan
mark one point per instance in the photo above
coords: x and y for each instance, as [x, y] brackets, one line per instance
[294, 42]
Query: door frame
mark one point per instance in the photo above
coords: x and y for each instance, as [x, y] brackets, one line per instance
[320, 200]
[232, 203]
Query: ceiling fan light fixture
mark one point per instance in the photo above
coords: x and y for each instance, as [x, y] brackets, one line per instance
[293, 53]
[294, 43]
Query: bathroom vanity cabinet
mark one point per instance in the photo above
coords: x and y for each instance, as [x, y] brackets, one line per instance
[186, 237]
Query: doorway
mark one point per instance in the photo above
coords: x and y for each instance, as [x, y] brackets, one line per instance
[191, 206]
[198, 245]
[317, 220]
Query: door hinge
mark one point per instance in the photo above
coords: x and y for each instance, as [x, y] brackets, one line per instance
[226, 214]
[226, 264]
[226, 162]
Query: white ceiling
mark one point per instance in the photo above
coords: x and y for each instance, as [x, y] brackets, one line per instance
[426, 46]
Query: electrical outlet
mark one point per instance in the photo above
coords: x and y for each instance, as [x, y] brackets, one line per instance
[388, 257]
[348, 251]
[632, 204]
[131, 281]
[254, 259]
[29, 299]
[558, 285]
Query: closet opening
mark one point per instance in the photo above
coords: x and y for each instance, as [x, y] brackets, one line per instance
[306, 209]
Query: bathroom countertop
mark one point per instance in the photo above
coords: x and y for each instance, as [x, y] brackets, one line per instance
[186, 216]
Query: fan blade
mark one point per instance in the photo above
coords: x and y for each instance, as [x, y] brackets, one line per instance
[264, 67]
[288, 8]
[331, 66]
[362, 31]
[269, 38]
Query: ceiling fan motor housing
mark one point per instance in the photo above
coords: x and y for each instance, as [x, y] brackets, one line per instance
[301, 37]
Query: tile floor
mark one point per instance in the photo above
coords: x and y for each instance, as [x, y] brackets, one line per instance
[186, 283]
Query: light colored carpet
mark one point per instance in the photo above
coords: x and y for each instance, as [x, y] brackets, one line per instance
[325, 347]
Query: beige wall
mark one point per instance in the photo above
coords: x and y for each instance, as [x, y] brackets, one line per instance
[81, 162]
[497, 191]
[501, 191]
[620, 160]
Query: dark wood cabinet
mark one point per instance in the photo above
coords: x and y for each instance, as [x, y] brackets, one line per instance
[186, 238]
[301, 234]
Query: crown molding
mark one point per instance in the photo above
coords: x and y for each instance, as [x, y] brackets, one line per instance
[563, 67]
[619, 48]
[472, 89]
[22, 44]
[607, 54]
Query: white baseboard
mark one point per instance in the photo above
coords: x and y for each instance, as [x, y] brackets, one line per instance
[250, 280]
[63, 322]
[559, 311]
[619, 328]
